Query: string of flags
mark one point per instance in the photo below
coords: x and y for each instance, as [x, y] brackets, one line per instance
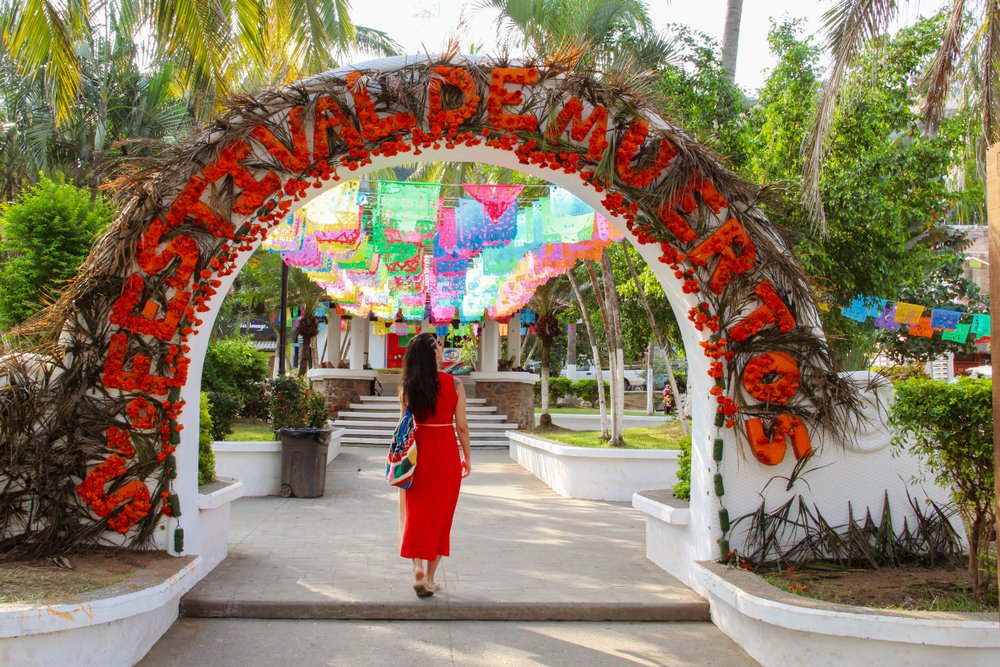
[402, 252]
[919, 320]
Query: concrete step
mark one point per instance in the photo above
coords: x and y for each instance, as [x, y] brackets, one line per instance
[369, 407]
[443, 610]
[383, 442]
[353, 425]
[394, 416]
[395, 399]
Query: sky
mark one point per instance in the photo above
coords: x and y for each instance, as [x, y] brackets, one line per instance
[425, 25]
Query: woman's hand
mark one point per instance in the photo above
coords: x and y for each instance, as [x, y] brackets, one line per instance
[466, 468]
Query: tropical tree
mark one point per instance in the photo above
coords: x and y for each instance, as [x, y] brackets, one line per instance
[123, 110]
[595, 352]
[888, 181]
[967, 56]
[219, 47]
[731, 36]
[605, 35]
[548, 302]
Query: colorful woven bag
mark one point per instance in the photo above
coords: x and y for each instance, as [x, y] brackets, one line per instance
[401, 461]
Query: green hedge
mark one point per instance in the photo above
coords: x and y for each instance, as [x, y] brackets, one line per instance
[206, 457]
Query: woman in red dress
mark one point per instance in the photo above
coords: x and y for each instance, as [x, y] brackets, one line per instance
[437, 401]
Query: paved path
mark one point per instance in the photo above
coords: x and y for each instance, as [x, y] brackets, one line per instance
[253, 643]
[522, 557]
[515, 542]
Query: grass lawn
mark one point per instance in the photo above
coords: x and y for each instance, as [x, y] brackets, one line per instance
[594, 411]
[251, 430]
[646, 437]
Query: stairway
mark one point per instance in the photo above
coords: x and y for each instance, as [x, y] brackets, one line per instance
[372, 421]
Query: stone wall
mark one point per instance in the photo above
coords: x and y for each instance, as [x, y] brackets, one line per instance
[341, 392]
[513, 399]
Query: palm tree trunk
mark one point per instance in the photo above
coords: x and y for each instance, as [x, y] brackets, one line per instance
[731, 37]
[596, 352]
[611, 296]
[660, 340]
[608, 336]
[546, 359]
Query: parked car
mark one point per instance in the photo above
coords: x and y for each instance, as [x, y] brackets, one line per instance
[635, 378]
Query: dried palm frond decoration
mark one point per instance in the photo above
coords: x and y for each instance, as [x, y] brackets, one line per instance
[104, 395]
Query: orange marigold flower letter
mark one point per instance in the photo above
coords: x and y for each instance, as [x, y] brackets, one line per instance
[439, 118]
[374, 127]
[595, 124]
[132, 498]
[771, 450]
[628, 149]
[771, 310]
[772, 377]
[189, 204]
[330, 118]
[723, 242]
[500, 97]
[139, 378]
[230, 163]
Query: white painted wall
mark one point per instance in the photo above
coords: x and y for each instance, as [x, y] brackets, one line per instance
[593, 474]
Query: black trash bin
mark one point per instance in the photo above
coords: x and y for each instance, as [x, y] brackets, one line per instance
[303, 461]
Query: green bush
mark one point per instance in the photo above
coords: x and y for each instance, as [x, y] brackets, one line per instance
[586, 390]
[234, 376]
[899, 373]
[44, 237]
[682, 489]
[318, 412]
[294, 405]
[950, 425]
[225, 408]
[206, 457]
[559, 388]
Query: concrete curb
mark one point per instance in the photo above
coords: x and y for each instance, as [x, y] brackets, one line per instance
[441, 609]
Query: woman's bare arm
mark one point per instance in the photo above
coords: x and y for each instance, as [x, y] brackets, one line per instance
[462, 428]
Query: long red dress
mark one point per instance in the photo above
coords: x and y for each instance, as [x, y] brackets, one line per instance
[431, 498]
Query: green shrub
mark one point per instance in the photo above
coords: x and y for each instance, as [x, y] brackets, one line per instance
[44, 237]
[225, 407]
[295, 405]
[586, 390]
[950, 425]
[682, 489]
[234, 376]
[559, 388]
[904, 372]
[318, 412]
[206, 457]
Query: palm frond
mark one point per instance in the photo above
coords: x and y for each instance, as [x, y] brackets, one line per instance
[850, 26]
[939, 76]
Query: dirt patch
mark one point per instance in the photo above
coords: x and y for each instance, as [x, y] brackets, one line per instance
[912, 588]
[90, 576]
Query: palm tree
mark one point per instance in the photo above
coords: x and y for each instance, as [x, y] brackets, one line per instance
[969, 55]
[119, 108]
[547, 302]
[598, 33]
[218, 46]
[731, 36]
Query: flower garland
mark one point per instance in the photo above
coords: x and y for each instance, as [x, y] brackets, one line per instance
[348, 136]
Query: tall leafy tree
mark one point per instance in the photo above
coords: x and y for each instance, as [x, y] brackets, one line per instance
[966, 56]
[219, 46]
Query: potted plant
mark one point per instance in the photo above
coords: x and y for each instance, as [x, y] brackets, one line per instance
[298, 416]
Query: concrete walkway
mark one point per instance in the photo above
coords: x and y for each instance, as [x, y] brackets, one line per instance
[522, 557]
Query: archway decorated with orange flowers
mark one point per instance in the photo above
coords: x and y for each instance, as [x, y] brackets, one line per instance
[134, 327]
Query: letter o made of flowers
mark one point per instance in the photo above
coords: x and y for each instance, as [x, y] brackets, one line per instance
[772, 377]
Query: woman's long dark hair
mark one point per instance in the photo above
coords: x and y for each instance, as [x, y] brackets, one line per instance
[420, 382]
